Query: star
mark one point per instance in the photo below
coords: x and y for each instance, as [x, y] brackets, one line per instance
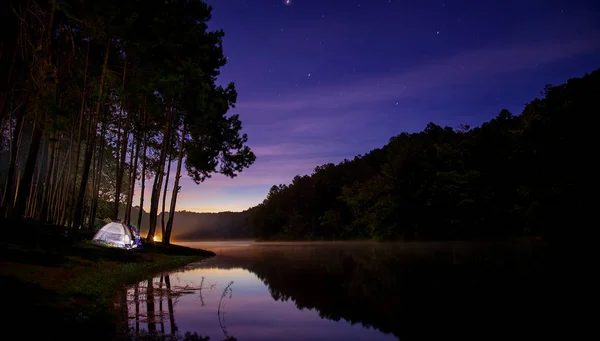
[288, 2]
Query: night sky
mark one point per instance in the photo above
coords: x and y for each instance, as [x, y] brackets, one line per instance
[324, 80]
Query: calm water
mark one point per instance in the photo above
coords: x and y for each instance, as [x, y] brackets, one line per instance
[349, 291]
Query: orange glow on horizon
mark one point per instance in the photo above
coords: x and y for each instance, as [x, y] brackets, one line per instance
[208, 209]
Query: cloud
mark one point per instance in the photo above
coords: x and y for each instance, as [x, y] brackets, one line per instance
[268, 172]
[289, 149]
[458, 69]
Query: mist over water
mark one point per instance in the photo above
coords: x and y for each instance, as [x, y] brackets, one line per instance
[348, 291]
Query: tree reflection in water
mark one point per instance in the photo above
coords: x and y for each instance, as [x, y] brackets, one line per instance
[411, 291]
[228, 291]
[144, 296]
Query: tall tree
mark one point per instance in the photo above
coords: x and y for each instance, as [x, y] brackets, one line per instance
[91, 142]
[66, 64]
[215, 143]
[187, 74]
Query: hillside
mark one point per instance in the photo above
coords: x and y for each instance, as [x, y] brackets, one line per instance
[514, 175]
[199, 226]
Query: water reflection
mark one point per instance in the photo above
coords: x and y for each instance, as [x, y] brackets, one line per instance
[152, 323]
[349, 292]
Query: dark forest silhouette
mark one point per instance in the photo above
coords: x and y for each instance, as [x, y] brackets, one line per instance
[515, 175]
[95, 97]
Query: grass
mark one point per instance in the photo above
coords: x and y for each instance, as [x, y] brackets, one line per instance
[62, 287]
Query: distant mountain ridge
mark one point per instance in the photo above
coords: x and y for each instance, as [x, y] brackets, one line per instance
[198, 226]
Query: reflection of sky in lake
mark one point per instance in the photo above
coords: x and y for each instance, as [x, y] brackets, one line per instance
[251, 313]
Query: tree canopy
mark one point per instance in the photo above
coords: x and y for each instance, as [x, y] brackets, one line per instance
[514, 175]
[97, 96]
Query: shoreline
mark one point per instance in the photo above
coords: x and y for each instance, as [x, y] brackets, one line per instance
[68, 288]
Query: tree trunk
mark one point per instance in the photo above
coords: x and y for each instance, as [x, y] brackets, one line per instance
[65, 195]
[81, 112]
[150, 307]
[167, 236]
[170, 305]
[78, 212]
[120, 173]
[9, 195]
[34, 189]
[57, 197]
[122, 148]
[132, 178]
[164, 198]
[143, 176]
[152, 222]
[98, 179]
[160, 306]
[43, 215]
[53, 178]
[128, 201]
[25, 184]
[159, 176]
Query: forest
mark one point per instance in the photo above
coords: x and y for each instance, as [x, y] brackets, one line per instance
[99, 96]
[513, 176]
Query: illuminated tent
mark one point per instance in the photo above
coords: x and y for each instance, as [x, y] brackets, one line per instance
[116, 234]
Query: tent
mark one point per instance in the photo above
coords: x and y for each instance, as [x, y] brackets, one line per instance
[116, 234]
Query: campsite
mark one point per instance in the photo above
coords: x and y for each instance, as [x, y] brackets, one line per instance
[352, 171]
[118, 234]
[68, 282]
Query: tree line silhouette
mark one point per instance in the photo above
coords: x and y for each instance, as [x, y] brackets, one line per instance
[97, 96]
[515, 175]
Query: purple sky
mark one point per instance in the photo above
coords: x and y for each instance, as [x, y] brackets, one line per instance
[324, 80]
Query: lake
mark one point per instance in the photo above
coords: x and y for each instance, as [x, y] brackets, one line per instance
[349, 291]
